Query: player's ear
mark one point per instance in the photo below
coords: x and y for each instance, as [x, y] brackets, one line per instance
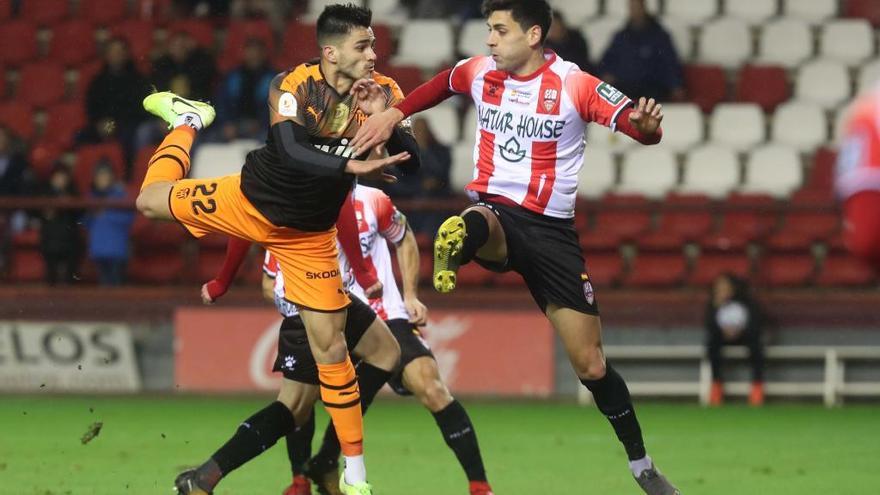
[533, 35]
[329, 53]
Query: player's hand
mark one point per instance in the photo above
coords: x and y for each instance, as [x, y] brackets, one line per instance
[375, 130]
[374, 291]
[375, 169]
[211, 290]
[647, 116]
[418, 312]
[369, 96]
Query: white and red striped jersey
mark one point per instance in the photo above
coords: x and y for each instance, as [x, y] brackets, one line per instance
[378, 221]
[858, 163]
[530, 130]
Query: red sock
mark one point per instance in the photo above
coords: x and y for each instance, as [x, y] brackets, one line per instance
[236, 250]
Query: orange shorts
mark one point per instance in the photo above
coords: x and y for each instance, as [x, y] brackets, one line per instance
[308, 260]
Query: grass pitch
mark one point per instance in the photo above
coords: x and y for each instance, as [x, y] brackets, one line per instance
[529, 448]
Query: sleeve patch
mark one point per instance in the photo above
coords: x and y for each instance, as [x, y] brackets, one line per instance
[287, 105]
[609, 93]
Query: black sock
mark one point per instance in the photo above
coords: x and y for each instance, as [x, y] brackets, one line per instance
[254, 435]
[460, 436]
[299, 445]
[370, 380]
[477, 229]
[612, 398]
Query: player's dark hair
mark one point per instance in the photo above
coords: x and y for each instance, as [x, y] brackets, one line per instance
[526, 13]
[338, 20]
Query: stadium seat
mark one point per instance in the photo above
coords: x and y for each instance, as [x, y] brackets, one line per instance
[649, 171]
[412, 49]
[63, 121]
[604, 269]
[506, 279]
[18, 42]
[84, 75]
[773, 169]
[102, 12]
[599, 136]
[682, 37]
[73, 43]
[2, 83]
[868, 76]
[237, 35]
[747, 217]
[711, 170]
[43, 155]
[41, 84]
[203, 32]
[462, 171]
[5, 9]
[766, 85]
[865, 9]
[44, 12]
[739, 126]
[161, 267]
[18, 117]
[709, 266]
[443, 121]
[599, 33]
[754, 12]
[384, 47]
[683, 218]
[577, 13]
[89, 156]
[800, 125]
[850, 41]
[622, 216]
[27, 265]
[472, 38]
[598, 174]
[388, 12]
[408, 77]
[706, 85]
[786, 270]
[726, 42]
[785, 42]
[823, 81]
[138, 33]
[656, 271]
[812, 11]
[474, 275]
[693, 12]
[845, 271]
[155, 10]
[682, 126]
[298, 37]
[620, 10]
[148, 235]
[821, 175]
[802, 227]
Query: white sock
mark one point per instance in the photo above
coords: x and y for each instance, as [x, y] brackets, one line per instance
[191, 119]
[638, 466]
[355, 471]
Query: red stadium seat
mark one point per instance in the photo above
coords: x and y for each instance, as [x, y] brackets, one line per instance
[624, 215]
[706, 85]
[27, 265]
[63, 121]
[148, 235]
[709, 266]
[506, 279]
[765, 85]
[5, 9]
[102, 12]
[473, 275]
[87, 157]
[605, 270]
[201, 31]
[44, 12]
[656, 270]
[821, 174]
[866, 9]
[42, 157]
[157, 267]
[845, 271]
[153, 10]
[84, 75]
[384, 41]
[2, 83]
[298, 44]
[73, 42]
[138, 34]
[408, 77]
[18, 42]
[210, 260]
[789, 270]
[140, 164]
[42, 84]
[237, 34]
[748, 218]
[18, 117]
[687, 218]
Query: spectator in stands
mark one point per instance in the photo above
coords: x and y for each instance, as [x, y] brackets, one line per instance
[568, 43]
[734, 318]
[113, 99]
[59, 230]
[641, 59]
[109, 228]
[13, 166]
[241, 104]
[185, 68]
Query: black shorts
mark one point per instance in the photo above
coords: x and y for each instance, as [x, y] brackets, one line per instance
[547, 253]
[412, 346]
[295, 360]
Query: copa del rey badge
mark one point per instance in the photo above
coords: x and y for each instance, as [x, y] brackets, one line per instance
[550, 97]
[588, 288]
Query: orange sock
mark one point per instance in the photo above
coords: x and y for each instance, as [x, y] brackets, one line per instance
[171, 161]
[342, 399]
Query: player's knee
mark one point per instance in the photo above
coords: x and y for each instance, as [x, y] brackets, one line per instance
[589, 364]
[435, 396]
[144, 205]
[331, 352]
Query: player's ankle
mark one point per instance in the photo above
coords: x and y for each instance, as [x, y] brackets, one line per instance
[189, 119]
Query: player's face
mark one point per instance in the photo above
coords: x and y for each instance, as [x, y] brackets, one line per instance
[509, 45]
[356, 57]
